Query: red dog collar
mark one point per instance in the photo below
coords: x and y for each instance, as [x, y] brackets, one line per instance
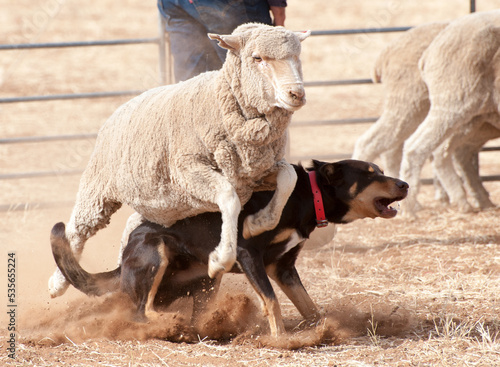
[318, 201]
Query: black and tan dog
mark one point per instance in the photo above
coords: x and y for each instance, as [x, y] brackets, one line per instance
[161, 264]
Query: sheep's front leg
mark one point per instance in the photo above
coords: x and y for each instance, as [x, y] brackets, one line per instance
[269, 217]
[208, 187]
[223, 257]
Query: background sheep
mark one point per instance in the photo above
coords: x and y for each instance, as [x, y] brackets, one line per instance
[461, 68]
[406, 105]
[201, 145]
[406, 100]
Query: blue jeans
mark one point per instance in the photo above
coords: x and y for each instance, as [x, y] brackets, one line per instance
[189, 21]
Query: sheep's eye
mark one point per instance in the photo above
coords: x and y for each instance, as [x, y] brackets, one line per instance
[257, 58]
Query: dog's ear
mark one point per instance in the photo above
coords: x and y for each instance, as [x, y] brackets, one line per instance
[332, 174]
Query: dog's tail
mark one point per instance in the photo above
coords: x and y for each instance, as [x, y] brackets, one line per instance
[90, 284]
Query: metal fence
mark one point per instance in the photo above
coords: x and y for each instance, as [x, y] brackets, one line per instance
[165, 77]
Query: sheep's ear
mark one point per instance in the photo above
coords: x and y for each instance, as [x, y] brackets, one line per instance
[229, 42]
[303, 35]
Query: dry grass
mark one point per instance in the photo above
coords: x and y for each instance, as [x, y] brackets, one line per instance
[394, 293]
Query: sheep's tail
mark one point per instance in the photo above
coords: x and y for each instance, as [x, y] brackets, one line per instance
[90, 284]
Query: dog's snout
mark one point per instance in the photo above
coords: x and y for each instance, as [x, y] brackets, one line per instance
[402, 185]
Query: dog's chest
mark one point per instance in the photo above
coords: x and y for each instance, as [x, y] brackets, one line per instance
[287, 239]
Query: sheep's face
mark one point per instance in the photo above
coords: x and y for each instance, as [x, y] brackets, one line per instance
[281, 79]
[270, 64]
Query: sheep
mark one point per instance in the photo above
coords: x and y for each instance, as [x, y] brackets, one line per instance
[201, 145]
[406, 101]
[461, 68]
[405, 106]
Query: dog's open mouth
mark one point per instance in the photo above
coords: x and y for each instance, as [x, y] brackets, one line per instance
[383, 205]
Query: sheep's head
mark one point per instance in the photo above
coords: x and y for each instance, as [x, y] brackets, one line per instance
[270, 64]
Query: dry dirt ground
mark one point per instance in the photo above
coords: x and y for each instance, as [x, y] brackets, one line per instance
[394, 292]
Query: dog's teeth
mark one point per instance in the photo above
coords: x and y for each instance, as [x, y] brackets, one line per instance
[397, 207]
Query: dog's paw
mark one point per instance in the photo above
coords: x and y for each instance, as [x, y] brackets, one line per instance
[57, 284]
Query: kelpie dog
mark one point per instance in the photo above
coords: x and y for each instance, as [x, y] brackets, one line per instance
[167, 263]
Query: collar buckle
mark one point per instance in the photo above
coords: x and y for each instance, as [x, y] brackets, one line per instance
[321, 223]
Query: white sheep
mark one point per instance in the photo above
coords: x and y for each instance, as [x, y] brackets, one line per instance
[461, 68]
[405, 106]
[201, 145]
[406, 100]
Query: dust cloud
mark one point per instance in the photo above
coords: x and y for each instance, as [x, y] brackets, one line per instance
[232, 317]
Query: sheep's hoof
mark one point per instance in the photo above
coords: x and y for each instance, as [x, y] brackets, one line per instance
[57, 284]
[252, 226]
[465, 207]
[408, 213]
[484, 204]
[410, 216]
[217, 267]
[247, 233]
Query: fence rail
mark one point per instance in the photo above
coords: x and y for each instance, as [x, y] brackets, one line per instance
[118, 42]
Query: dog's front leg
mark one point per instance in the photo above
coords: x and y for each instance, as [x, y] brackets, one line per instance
[268, 218]
[253, 267]
[290, 283]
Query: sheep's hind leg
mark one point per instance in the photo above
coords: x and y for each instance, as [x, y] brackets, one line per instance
[268, 218]
[466, 159]
[437, 126]
[447, 175]
[87, 218]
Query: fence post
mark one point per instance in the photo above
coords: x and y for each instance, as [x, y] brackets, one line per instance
[162, 51]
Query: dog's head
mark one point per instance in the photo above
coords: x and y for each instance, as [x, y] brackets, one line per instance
[356, 189]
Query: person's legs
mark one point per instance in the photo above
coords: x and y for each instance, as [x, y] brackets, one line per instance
[192, 49]
[188, 24]
[223, 16]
